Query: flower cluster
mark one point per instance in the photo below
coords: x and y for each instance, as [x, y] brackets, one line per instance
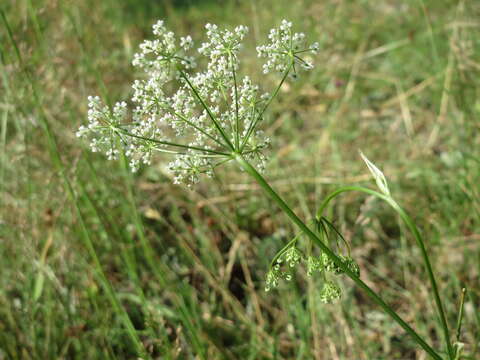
[286, 50]
[322, 264]
[159, 56]
[330, 292]
[201, 117]
[329, 265]
[293, 256]
[314, 264]
[105, 123]
[223, 43]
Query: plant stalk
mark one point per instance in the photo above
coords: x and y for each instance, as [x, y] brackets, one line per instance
[245, 165]
[421, 244]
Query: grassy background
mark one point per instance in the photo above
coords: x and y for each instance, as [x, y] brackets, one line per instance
[399, 80]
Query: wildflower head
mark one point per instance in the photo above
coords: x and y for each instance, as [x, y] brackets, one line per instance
[201, 115]
[105, 124]
[162, 55]
[286, 50]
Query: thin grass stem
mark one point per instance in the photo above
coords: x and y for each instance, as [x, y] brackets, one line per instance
[55, 157]
[460, 314]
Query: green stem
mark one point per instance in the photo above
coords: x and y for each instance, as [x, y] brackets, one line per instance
[188, 122]
[259, 117]
[167, 143]
[209, 112]
[420, 242]
[237, 130]
[245, 165]
[284, 250]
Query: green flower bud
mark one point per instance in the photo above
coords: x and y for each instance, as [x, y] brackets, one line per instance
[293, 256]
[272, 278]
[328, 263]
[330, 292]
[337, 270]
[352, 266]
[314, 264]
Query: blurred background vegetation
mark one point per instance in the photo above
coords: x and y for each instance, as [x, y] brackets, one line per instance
[399, 80]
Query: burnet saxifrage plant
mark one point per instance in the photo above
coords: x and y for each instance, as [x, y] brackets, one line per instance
[205, 116]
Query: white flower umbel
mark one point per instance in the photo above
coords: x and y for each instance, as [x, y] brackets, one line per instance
[286, 50]
[208, 117]
[105, 124]
[203, 117]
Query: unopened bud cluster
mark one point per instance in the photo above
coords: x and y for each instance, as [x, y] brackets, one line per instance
[322, 264]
